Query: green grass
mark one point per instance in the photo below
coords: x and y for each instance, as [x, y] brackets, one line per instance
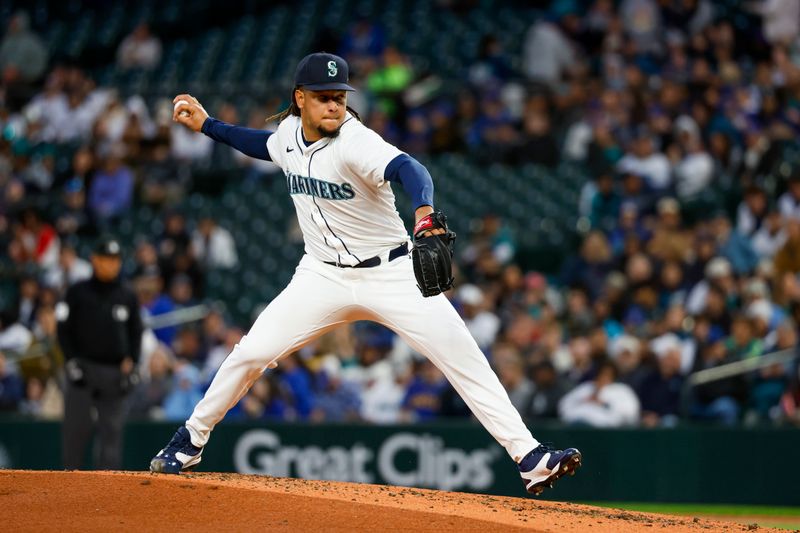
[703, 508]
[771, 515]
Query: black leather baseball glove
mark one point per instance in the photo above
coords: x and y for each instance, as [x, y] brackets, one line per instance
[433, 255]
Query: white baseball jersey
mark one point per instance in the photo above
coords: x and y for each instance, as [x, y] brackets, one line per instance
[345, 207]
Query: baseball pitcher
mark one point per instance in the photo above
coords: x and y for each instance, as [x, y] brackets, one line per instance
[358, 265]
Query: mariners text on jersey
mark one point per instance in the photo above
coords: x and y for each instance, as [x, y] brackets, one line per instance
[318, 188]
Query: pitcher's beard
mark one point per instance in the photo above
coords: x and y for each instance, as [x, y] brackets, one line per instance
[327, 133]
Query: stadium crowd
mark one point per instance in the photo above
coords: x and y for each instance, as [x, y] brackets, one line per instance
[690, 228]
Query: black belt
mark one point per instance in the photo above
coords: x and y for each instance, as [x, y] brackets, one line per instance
[374, 261]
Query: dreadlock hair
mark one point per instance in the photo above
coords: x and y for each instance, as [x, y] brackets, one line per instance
[293, 110]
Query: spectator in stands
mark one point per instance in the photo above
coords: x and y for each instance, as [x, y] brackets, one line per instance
[695, 170]
[15, 338]
[670, 241]
[589, 269]
[148, 398]
[547, 391]
[382, 394]
[28, 300]
[508, 364]
[336, 400]
[85, 103]
[145, 256]
[422, 400]
[770, 237]
[482, 323]
[35, 241]
[660, 389]
[218, 353]
[769, 384]
[579, 366]
[733, 246]
[626, 353]
[789, 201]
[47, 354]
[71, 217]
[641, 20]
[214, 329]
[578, 316]
[717, 401]
[164, 180]
[550, 51]
[628, 225]
[31, 402]
[149, 285]
[70, 269]
[389, 80]
[12, 196]
[111, 191]
[184, 264]
[181, 292]
[213, 245]
[174, 238]
[642, 295]
[11, 386]
[742, 343]
[365, 350]
[538, 143]
[23, 59]
[643, 160]
[495, 130]
[606, 205]
[752, 211]
[492, 244]
[673, 289]
[704, 249]
[297, 380]
[188, 346]
[634, 191]
[186, 147]
[602, 402]
[140, 49]
[264, 401]
[363, 44]
[781, 19]
[787, 259]
[185, 392]
[492, 66]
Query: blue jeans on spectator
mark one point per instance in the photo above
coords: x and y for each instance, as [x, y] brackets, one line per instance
[724, 410]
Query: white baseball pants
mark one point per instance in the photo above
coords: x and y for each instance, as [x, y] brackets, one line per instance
[321, 297]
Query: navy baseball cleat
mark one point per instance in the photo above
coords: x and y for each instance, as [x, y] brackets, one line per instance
[179, 454]
[543, 466]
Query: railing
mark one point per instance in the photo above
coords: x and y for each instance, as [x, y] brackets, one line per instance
[179, 316]
[729, 370]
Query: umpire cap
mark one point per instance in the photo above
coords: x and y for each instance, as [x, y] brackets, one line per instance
[109, 247]
[323, 72]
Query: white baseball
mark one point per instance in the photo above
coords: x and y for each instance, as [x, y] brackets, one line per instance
[183, 113]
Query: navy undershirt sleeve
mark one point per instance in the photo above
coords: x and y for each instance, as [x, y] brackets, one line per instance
[414, 177]
[249, 141]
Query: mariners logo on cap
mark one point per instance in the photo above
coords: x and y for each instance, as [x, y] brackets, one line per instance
[322, 72]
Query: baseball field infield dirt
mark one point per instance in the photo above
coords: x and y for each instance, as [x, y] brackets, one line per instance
[124, 501]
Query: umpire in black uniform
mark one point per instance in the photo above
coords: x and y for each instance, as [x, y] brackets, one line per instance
[100, 332]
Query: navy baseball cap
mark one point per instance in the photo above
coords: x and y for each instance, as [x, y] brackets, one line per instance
[323, 72]
[108, 247]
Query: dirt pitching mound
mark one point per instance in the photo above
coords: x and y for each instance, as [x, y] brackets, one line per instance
[113, 501]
